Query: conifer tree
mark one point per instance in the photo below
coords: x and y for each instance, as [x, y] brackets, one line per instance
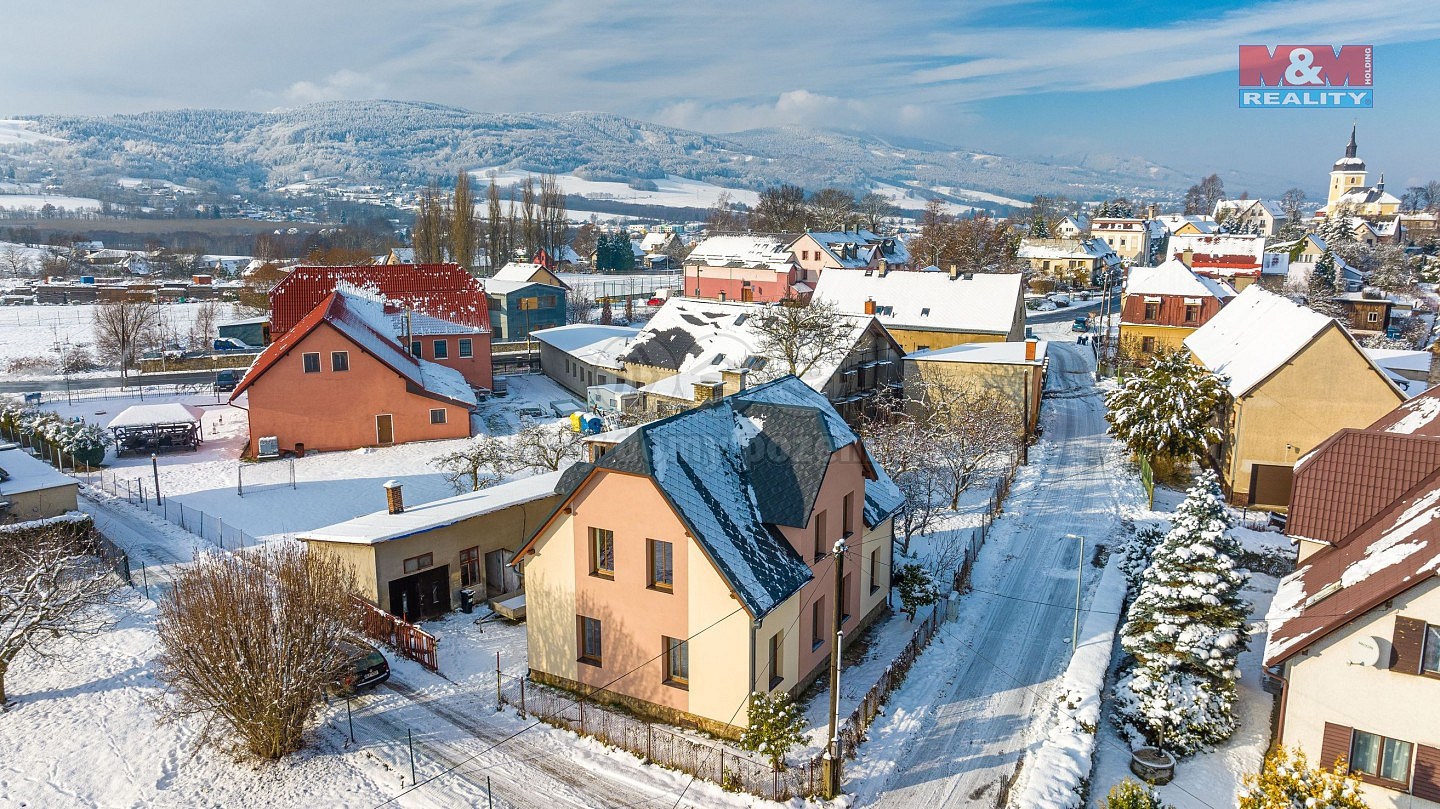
[775, 726]
[462, 223]
[1286, 781]
[1186, 630]
[1130, 794]
[1039, 228]
[602, 251]
[1167, 410]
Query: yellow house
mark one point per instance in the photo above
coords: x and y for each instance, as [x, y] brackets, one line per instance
[1296, 378]
[1163, 305]
[1015, 371]
[925, 309]
[695, 562]
[31, 489]
[415, 561]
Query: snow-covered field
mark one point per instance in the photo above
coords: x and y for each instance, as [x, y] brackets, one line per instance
[33, 331]
[330, 486]
[17, 202]
[18, 131]
[671, 191]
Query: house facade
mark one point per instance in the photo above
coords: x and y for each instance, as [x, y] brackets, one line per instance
[414, 560]
[1354, 642]
[1295, 378]
[1013, 371]
[931, 309]
[743, 268]
[31, 489]
[339, 380]
[1077, 262]
[1128, 237]
[518, 308]
[1163, 305]
[694, 562]
[1257, 216]
[818, 251]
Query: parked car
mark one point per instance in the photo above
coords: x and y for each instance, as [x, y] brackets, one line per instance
[225, 381]
[1060, 298]
[1080, 324]
[368, 668]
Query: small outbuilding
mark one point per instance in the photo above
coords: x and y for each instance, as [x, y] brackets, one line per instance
[252, 331]
[157, 428]
[31, 489]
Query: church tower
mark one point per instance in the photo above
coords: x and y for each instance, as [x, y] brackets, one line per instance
[1348, 173]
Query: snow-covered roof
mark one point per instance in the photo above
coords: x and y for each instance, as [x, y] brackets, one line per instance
[1008, 353]
[591, 344]
[1364, 196]
[1068, 248]
[500, 286]
[655, 240]
[1253, 335]
[246, 321]
[694, 337]
[1400, 359]
[516, 271]
[419, 325]
[1176, 221]
[381, 526]
[23, 473]
[1219, 246]
[147, 415]
[931, 301]
[859, 248]
[742, 251]
[1174, 278]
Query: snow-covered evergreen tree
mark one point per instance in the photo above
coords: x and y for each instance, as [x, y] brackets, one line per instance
[775, 726]
[1130, 794]
[1286, 781]
[1039, 228]
[1167, 410]
[1186, 630]
[917, 588]
[1136, 553]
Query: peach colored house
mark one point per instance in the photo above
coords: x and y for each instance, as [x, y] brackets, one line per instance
[743, 268]
[339, 380]
[818, 251]
[692, 562]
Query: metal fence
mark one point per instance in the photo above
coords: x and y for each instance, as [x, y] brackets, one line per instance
[658, 744]
[208, 527]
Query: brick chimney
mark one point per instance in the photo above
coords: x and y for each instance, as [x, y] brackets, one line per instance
[1188, 257]
[708, 391]
[869, 306]
[736, 380]
[394, 501]
[954, 271]
[1030, 345]
[884, 268]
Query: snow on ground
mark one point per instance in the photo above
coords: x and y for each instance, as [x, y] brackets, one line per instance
[33, 331]
[16, 202]
[330, 486]
[14, 130]
[671, 191]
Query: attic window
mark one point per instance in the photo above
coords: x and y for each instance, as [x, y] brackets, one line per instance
[1323, 593]
[925, 312]
[742, 318]
[755, 363]
[719, 358]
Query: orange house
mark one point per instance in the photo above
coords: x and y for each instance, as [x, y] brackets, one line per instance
[693, 562]
[340, 380]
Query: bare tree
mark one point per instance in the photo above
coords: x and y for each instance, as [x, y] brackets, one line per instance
[935, 241]
[579, 306]
[205, 328]
[462, 223]
[483, 461]
[15, 262]
[875, 210]
[545, 448]
[51, 584]
[497, 230]
[970, 428]
[529, 218]
[1292, 202]
[833, 209]
[725, 215]
[250, 643]
[898, 443]
[795, 338]
[781, 210]
[123, 328]
[552, 215]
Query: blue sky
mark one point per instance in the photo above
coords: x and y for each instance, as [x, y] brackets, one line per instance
[1061, 79]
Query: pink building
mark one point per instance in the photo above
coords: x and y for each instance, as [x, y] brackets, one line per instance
[743, 268]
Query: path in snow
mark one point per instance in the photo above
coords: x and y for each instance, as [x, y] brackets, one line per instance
[981, 695]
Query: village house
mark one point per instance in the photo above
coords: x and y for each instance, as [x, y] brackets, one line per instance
[1013, 371]
[1295, 377]
[1078, 263]
[1258, 216]
[518, 308]
[528, 271]
[31, 489]
[932, 309]
[1073, 227]
[339, 379]
[455, 310]
[420, 561]
[582, 355]
[1367, 312]
[1236, 258]
[1354, 640]
[817, 251]
[1179, 224]
[1128, 237]
[694, 563]
[1163, 305]
[743, 268]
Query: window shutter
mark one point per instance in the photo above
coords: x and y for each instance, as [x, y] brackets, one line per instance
[1427, 773]
[1335, 746]
[1407, 641]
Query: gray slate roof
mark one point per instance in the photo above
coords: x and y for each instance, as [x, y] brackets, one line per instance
[734, 470]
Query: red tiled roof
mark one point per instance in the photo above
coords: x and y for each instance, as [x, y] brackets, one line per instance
[444, 291]
[1419, 416]
[1353, 476]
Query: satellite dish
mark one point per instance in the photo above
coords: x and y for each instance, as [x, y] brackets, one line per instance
[1364, 652]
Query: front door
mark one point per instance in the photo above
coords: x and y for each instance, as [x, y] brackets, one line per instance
[422, 595]
[385, 429]
[747, 293]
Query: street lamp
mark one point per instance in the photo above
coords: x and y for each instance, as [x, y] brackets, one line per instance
[1079, 576]
[155, 467]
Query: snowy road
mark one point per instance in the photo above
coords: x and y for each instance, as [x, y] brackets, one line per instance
[981, 695]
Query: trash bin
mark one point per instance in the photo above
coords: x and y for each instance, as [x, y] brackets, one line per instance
[299, 450]
[467, 601]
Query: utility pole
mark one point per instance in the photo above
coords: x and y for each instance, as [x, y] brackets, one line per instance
[1079, 576]
[831, 758]
[155, 467]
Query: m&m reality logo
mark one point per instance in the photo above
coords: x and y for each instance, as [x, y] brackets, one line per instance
[1307, 76]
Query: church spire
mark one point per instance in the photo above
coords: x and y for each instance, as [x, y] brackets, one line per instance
[1380, 186]
[1350, 147]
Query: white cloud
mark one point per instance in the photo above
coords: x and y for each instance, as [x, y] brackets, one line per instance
[342, 84]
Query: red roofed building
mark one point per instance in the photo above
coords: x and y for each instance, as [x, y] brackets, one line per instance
[1238, 258]
[338, 379]
[440, 307]
[1354, 639]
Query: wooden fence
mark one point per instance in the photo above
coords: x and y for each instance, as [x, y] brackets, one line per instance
[404, 637]
[658, 744]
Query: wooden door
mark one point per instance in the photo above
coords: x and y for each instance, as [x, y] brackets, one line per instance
[384, 429]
